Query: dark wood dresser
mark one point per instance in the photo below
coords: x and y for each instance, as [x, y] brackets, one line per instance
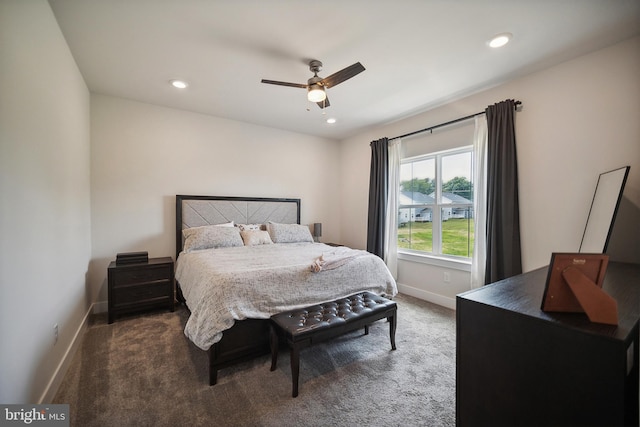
[140, 286]
[517, 365]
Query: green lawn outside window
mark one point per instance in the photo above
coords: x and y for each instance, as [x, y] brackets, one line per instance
[457, 237]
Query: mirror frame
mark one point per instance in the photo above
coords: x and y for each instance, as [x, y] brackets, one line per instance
[601, 205]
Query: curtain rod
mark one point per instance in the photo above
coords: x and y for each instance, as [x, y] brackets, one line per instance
[461, 119]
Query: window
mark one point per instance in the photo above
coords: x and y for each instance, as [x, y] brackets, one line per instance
[436, 204]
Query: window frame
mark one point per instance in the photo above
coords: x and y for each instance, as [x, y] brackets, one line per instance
[436, 257]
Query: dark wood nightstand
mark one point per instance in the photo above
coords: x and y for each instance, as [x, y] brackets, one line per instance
[140, 286]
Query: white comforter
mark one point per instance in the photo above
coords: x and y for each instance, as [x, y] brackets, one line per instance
[227, 284]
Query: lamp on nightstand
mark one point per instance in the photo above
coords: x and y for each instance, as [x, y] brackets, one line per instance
[317, 231]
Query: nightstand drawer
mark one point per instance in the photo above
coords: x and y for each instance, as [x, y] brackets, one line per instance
[137, 294]
[135, 276]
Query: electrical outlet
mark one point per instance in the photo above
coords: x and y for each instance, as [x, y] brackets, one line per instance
[55, 334]
[447, 277]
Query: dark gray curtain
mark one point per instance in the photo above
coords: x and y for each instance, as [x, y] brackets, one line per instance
[378, 185]
[503, 214]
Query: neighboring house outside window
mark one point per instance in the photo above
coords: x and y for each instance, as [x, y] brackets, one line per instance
[436, 204]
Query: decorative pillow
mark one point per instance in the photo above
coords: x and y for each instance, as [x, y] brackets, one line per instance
[226, 224]
[210, 236]
[289, 233]
[255, 237]
[248, 227]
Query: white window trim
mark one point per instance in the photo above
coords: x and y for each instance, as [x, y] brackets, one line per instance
[450, 262]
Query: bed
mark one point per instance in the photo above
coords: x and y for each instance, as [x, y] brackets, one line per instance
[241, 260]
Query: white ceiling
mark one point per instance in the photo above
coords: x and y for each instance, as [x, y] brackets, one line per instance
[418, 54]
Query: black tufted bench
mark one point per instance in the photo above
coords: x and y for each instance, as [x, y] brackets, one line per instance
[304, 327]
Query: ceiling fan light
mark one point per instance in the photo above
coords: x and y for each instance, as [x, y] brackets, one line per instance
[500, 40]
[179, 84]
[316, 94]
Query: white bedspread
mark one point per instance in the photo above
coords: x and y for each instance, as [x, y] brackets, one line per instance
[227, 284]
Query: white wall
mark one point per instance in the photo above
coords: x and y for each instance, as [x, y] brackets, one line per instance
[579, 119]
[45, 208]
[143, 155]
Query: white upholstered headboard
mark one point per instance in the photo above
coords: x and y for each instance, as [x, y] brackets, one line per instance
[196, 211]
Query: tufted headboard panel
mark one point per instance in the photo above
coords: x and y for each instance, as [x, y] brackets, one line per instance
[196, 211]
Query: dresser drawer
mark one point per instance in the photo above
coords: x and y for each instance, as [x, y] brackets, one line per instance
[137, 294]
[130, 276]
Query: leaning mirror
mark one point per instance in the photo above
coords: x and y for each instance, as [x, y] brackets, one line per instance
[603, 210]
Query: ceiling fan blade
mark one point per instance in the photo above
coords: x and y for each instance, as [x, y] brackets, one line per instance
[324, 104]
[273, 82]
[342, 75]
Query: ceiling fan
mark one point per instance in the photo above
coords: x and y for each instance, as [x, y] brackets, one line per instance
[316, 85]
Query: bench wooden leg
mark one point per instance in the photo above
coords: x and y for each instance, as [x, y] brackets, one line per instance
[295, 369]
[273, 342]
[392, 330]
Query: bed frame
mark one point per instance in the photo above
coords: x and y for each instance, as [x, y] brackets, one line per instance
[248, 338]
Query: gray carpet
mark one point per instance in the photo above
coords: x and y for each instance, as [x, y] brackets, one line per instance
[143, 371]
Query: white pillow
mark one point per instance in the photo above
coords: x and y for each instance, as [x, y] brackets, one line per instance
[247, 227]
[255, 237]
[211, 236]
[289, 233]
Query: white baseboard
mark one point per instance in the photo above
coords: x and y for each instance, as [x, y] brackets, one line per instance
[53, 385]
[442, 300]
[100, 307]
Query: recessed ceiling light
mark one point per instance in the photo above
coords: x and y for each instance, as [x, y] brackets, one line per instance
[331, 120]
[500, 40]
[180, 84]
